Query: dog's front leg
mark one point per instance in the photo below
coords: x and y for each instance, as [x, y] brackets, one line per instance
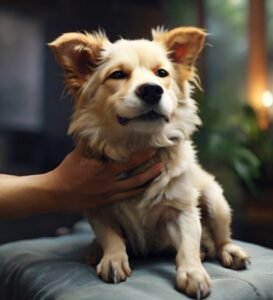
[185, 235]
[114, 265]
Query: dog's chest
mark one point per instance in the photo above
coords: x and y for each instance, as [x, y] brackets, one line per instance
[144, 229]
[131, 220]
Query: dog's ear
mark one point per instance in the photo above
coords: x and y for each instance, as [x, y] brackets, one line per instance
[184, 44]
[78, 54]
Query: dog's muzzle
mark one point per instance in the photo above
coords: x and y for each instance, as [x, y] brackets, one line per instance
[150, 94]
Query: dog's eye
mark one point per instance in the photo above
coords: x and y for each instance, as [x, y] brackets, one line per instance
[161, 73]
[118, 75]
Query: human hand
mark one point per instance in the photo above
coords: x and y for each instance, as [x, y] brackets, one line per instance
[87, 183]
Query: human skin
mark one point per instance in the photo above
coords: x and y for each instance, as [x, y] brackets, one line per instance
[75, 185]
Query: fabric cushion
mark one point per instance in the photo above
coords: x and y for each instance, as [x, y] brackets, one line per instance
[55, 268]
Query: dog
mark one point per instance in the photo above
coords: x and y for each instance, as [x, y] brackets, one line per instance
[131, 95]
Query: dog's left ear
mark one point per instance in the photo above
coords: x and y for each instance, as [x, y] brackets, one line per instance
[184, 44]
[78, 54]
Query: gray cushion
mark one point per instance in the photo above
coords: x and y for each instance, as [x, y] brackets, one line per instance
[54, 268]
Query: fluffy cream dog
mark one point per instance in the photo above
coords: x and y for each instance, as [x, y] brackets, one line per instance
[134, 94]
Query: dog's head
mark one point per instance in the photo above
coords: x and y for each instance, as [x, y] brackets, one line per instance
[130, 87]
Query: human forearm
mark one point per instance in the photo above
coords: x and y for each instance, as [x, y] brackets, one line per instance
[26, 195]
[76, 185]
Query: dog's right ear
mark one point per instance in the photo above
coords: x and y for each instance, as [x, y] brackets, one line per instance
[183, 44]
[78, 54]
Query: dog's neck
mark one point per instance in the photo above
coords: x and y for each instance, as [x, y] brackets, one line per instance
[120, 148]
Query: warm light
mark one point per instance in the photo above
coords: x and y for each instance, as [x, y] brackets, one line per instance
[267, 99]
[236, 2]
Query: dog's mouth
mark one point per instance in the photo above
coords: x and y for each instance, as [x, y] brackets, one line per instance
[151, 116]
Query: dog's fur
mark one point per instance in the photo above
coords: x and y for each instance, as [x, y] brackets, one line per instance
[106, 124]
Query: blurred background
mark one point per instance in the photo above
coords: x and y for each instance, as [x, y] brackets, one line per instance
[236, 69]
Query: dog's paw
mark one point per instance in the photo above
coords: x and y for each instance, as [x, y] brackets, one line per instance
[233, 257]
[193, 281]
[114, 268]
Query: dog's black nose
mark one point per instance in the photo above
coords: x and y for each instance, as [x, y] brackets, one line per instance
[149, 92]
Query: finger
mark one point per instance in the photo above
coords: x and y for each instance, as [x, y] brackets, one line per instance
[136, 160]
[139, 179]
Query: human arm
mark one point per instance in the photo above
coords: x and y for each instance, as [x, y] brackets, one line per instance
[75, 185]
